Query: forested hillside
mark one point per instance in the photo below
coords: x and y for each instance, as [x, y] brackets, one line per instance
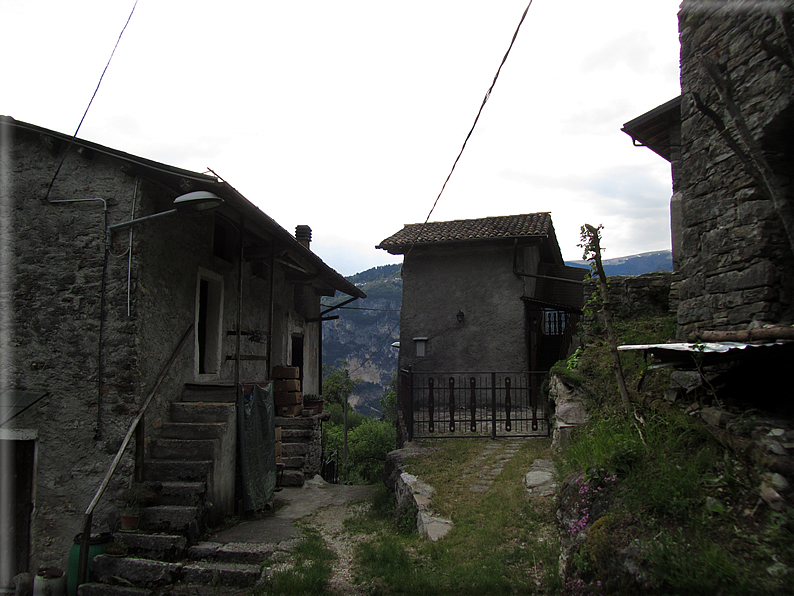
[364, 333]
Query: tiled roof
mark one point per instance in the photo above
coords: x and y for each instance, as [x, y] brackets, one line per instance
[460, 230]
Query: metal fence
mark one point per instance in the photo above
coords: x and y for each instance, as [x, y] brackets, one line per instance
[467, 404]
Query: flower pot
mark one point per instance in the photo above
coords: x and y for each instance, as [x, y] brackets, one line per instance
[311, 404]
[130, 521]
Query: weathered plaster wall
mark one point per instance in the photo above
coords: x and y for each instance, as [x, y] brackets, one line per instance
[478, 281]
[58, 260]
[735, 260]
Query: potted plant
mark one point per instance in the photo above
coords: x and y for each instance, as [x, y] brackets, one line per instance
[136, 497]
[313, 402]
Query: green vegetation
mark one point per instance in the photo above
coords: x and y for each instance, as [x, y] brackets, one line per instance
[368, 440]
[308, 573]
[663, 508]
[501, 543]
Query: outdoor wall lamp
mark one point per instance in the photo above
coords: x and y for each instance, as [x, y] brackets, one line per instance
[199, 200]
[459, 316]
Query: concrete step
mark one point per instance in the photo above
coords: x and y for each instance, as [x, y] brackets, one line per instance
[234, 552]
[193, 430]
[181, 493]
[209, 392]
[201, 411]
[164, 547]
[184, 448]
[144, 573]
[171, 518]
[221, 574]
[169, 470]
[97, 589]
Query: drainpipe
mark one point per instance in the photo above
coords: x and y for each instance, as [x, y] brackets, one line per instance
[272, 298]
[239, 305]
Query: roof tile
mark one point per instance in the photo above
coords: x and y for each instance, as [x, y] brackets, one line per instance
[506, 226]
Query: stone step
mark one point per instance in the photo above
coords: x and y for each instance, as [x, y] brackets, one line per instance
[296, 435]
[183, 448]
[181, 493]
[165, 547]
[220, 574]
[170, 518]
[291, 478]
[252, 553]
[168, 470]
[287, 422]
[193, 430]
[209, 392]
[293, 449]
[201, 411]
[145, 573]
[97, 589]
[293, 462]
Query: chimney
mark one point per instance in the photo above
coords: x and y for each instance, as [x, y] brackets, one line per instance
[303, 234]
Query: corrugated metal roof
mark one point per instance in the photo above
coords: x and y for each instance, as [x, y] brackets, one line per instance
[463, 230]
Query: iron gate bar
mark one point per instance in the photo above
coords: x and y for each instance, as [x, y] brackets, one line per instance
[473, 403]
[431, 403]
[508, 426]
[516, 408]
[452, 404]
[493, 405]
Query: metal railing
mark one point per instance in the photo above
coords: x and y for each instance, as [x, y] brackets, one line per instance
[137, 428]
[474, 404]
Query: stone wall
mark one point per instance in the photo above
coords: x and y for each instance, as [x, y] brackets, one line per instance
[637, 295]
[737, 82]
[58, 261]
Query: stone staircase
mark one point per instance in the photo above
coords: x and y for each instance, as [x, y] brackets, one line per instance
[301, 449]
[191, 469]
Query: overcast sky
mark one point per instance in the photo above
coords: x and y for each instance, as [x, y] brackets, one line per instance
[348, 115]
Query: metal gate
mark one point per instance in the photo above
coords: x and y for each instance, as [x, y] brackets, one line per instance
[474, 404]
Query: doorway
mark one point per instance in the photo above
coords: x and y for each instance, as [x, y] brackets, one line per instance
[209, 319]
[16, 483]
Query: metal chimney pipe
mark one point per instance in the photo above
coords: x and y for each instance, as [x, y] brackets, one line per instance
[303, 234]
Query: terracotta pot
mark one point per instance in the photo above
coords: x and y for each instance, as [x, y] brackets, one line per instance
[130, 521]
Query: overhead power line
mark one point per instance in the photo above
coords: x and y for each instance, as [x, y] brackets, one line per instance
[91, 101]
[468, 136]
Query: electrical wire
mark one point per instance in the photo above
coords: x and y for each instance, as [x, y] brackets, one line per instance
[471, 131]
[91, 101]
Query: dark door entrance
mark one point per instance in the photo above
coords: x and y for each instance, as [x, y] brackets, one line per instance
[16, 484]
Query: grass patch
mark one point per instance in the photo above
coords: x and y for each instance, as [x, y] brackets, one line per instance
[500, 543]
[310, 571]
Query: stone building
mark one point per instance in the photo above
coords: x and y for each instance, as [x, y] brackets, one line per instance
[491, 301]
[98, 307]
[729, 140]
[479, 294]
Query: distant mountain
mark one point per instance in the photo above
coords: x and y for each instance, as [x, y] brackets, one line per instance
[364, 333]
[365, 330]
[646, 262]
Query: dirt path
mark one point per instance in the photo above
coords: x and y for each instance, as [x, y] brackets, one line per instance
[329, 521]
